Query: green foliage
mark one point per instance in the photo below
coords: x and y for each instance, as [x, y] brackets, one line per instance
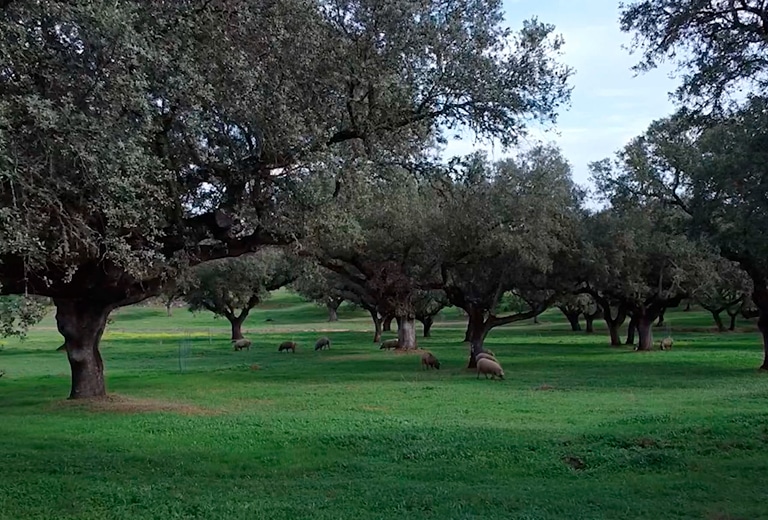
[145, 136]
[719, 45]
[19, 313]
[509, 226]
[360, 433]
[231, 284]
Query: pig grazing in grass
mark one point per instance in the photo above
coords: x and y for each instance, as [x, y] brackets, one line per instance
[488, 367]
[240, 344]
[428, 360]
[390, 343]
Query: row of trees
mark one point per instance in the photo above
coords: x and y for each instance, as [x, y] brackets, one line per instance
[140, 139]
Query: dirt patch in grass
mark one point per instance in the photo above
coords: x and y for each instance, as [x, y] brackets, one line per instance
[369, 408]
[115, 403]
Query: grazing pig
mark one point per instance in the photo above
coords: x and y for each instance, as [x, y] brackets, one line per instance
[666, 344]
[428, 360]
[240, 344]
[485, 355]
[323, 343]
[287, 345]
[486, 366]
[390, 343]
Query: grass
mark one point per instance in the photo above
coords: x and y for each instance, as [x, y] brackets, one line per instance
[578, 430]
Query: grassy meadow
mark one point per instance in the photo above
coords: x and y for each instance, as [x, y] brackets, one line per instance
[192, 429]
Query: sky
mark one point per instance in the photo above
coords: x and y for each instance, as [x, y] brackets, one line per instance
[610, 103]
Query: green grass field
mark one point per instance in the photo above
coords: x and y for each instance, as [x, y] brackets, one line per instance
[578, 430]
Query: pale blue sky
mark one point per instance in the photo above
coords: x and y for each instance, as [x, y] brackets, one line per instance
[610, 104]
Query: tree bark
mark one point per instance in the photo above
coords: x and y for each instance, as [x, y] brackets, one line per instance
[661, 318]
[168, 306]
[427, 322]
[718, 321]
[590, 320]
[82, 322]
[536, 319]
[687, 306]
[376, 325]
[406, 333]
[732, 325]
[645, 333]
[573, 318]
[760, 297]
[237, 326]
[614, 323]
[476, 332]
[387, 323]
[631, 332]
[333, 315]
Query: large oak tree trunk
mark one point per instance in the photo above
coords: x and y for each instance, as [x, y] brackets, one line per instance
[406, 333]
[333, 315]
[376, 325]
[645, 333]
[237, 326]
[631, 332]
[387, 323]
[760, 297]
[428, 322]
[476, 332]
[614, 324]
[590, 321]
[573, 319]
[718, 321]
[661, 318]
[732, 325]
[82, 322]
[168, 308]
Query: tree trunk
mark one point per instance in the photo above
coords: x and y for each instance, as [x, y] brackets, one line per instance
[168, 310]
[645, 333]
[718, 321]
[631, 332]
[470, 326]
[661, 318]
[237, 326]
[536, 319]
[590, 323]
[613, 332]
[573, 319]
[387, 323]
[732, 325]
[376, 325]
[332, 312]
[476, 333]
[82, 322]
[687, 306]
[760, 297]
[427, 322]
[406, 333]
[614, 324]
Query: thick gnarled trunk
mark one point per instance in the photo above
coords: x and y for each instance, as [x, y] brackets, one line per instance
[718, 320]
[614, 324]
[631, 332]
[427, 322]
[645, 333]
[236, 326]
[760, 297]
[476, 333]
[376, 325]
[406, 333]
[386, 323]
[573, 319]
[81, 322]
[333, 314]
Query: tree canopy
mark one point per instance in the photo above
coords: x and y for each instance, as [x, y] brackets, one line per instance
[138, 138]
[719, 45]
